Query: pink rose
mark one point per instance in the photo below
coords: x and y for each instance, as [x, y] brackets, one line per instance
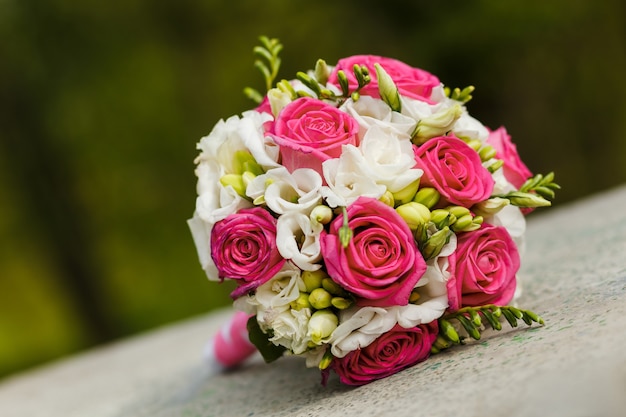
[390, 353]
[483, 268]
[411, 82]
[243, 247]
[455, 170]
[515, 171]
[310, 131]
[382, 263]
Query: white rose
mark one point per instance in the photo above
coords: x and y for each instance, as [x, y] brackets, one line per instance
[280, 290]
[358, 327]
[297, 239]
[289, 328]
[369, 112]
[284, 192]
[348, 179]
[388, 159]
[468, 127]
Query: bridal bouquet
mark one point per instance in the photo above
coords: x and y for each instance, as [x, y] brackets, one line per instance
[367, 219]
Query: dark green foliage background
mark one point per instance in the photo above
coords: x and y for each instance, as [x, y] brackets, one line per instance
[102, 103]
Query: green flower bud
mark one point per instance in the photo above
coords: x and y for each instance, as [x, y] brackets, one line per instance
[313, 279]
[341, 303]
[247, 178]
[235, 181]
[388, 199]
[441, 343]
[475, 144]
[243, 161]
[496, 165]
[322, 324]
[465, 224]
[322, 71]
[280, 97]
[490, 206]
[449, 331]
[321, 214]
[486, 153]
[301, 302]
[387, 89]
[435, 243]
[437, 124]
[320, 299]
[407, 193]
[441, 218]
[332, 287]
[458, 211]
[414, 214]
[427, 196]
[521, 199]
[326, 360]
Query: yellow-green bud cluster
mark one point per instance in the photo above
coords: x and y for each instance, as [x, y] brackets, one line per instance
[244, 169]
[321, 293]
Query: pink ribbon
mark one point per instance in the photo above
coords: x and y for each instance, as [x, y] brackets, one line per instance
[230, 346]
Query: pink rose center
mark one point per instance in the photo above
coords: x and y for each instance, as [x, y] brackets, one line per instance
[244, 249]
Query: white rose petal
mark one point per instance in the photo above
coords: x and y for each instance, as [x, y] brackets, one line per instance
[369, 112]
[284, 192]
[297, 239]
[289, 328]
[348, 179]
[281, 289]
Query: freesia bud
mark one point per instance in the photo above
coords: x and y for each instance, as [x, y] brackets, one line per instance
[414, 214]
[301, 302]
[322, 71]
[486, 153]
[243, 161]
[490, 206]
[475, 144]
[437, 124]
[458, 211]
[340, 303]
[435, 243]
[321, 325]
[247, 178]
[320, 299]
[326, 360]
[521, 199]
[465, 224]
[332, 287]
[407, 193]
[313, 279]
[388, 199]
[235, 181]
[387, 89]
[427, 196]
[279, 98]
[441, 218]
[321, 214]
[496, 165]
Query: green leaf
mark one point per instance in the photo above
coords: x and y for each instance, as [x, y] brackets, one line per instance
[269, 351]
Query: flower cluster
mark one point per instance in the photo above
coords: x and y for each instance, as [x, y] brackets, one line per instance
[361, 210]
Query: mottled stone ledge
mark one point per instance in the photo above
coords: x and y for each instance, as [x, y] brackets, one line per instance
[575, 277]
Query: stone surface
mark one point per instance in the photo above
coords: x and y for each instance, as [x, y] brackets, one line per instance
[575, 277]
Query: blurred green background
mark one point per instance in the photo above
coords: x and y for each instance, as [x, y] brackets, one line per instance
[102, 103]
